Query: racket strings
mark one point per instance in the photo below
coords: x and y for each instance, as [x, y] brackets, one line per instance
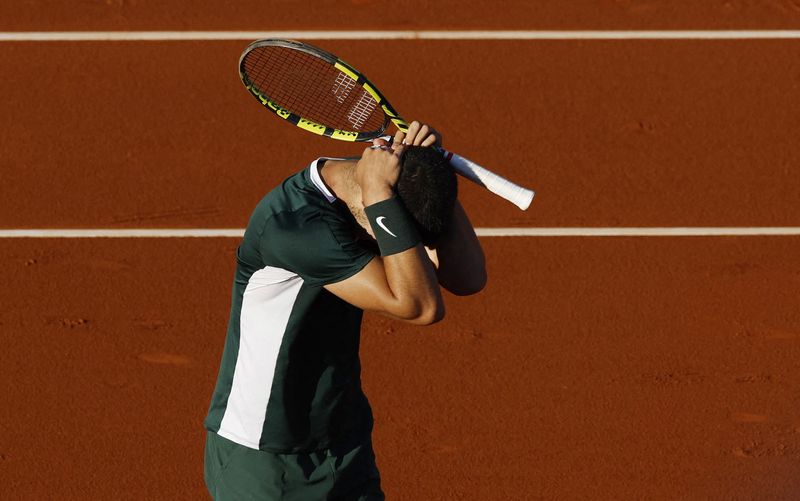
[312, 88]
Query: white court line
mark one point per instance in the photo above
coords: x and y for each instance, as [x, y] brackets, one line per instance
[638, 232]
[84, 36]
[482, 232]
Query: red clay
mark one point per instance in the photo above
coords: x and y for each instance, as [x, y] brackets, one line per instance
[616, 368]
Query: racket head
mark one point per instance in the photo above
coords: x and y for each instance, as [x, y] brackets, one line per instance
[315, 90]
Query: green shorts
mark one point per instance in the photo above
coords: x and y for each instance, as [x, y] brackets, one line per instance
[234, 472]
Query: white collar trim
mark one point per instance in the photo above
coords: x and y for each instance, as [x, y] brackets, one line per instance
[317, 179]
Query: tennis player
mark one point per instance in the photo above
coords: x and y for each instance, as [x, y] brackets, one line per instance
[288, 419]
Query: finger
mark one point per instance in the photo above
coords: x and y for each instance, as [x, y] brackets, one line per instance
[399, 136]
[430, 140]
[380, 143]
[367, 152]
[437, 137]
[413, 130]
[398, 148]
[421, 135]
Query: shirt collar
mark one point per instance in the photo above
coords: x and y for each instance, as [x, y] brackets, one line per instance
[316, 179]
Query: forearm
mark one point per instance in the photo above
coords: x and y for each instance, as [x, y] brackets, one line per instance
[410, 276]
[461, 262]
[414, 287]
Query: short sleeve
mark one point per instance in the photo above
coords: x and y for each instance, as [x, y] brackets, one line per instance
[321, 248]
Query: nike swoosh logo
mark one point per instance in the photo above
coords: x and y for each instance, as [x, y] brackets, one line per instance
[379, 220]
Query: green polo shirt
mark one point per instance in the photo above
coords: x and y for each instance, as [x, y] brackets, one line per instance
[289, 381]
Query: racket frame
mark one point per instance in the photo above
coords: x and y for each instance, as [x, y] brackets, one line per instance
[304, 123]
[495, 183]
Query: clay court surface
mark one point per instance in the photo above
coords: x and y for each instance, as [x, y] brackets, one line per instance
[589, 368]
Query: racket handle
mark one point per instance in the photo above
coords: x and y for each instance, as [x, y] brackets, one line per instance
[517, 195]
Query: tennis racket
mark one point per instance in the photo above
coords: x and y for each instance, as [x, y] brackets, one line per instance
[320, 93]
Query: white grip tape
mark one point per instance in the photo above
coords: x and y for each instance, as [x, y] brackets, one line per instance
[517, 195]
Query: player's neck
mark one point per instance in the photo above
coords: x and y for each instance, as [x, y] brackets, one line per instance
[339, 176]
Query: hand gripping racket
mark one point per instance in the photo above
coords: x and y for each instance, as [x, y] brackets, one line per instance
[320, 93]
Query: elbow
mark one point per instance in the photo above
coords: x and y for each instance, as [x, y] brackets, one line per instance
[477, 284]
[427, 314]
[480, 282]
[471, 284]
[429, 317]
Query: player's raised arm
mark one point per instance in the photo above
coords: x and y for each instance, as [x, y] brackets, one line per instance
[402, 282]
[458, 257]
[457, 254]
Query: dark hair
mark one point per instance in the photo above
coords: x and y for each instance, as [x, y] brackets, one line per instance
[427, 187]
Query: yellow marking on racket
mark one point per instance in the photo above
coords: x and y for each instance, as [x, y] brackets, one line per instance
[267, 102]
[344, 69]
[344, 135]
[275, 107]
[254, 91]
[311, 126]
[400, 124]
[374, 94]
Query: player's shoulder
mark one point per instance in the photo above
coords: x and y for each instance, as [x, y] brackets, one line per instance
[298, 212]
[312, 223]
[299, 223]
[319, 245]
